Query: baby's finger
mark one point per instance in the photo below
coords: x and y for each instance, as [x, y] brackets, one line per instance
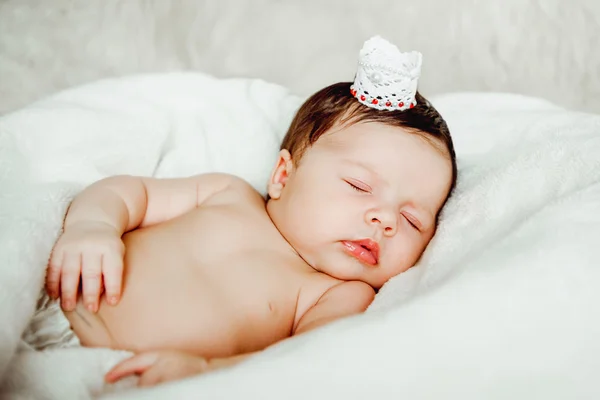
[134, 365]
[91, 276]
[152, 376]
[112, 270]
[69, 281]
[53, 274]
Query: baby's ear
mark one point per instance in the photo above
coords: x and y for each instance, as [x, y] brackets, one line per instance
[280, 174]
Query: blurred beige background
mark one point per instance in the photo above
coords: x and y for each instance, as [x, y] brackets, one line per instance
[544, 48]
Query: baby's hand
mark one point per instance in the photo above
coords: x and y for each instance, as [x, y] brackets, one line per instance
[158, 367]
[94, 251]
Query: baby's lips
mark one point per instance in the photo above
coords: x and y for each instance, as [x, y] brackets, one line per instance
[371, 245]
[362, 254]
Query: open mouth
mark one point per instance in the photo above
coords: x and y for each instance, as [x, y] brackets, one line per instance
[366, 250]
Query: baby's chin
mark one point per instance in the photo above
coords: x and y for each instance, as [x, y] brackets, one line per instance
[345, 268]
[348, 272]
[338, 271]
[375, 276]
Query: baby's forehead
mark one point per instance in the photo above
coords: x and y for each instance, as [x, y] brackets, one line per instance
[393, 153]
[362, 134]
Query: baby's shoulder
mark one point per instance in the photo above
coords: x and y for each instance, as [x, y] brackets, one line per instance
[236, 189]
[244, 190]
[242, 185]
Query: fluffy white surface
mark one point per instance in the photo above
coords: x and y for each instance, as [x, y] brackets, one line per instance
[503, 304]
[544, 48]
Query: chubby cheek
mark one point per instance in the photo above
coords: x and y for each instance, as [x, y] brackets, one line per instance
[317, 222]
[403, 254]
[306, 216]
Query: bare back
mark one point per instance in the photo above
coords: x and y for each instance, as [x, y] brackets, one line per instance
[216, 281]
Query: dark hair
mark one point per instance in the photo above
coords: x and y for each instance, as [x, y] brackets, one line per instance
[335, 104]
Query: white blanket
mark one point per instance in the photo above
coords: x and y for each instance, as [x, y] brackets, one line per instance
[503, 304]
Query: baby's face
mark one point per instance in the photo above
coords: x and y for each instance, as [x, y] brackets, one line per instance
[362, 203]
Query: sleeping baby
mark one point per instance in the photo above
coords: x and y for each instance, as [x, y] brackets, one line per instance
[197, 273]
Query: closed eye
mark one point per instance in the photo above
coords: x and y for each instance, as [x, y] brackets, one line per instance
[413, 223]
[358, 188]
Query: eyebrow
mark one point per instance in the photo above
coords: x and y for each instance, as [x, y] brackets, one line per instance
[430, 216]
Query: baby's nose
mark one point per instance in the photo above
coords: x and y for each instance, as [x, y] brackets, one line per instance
[386, 219]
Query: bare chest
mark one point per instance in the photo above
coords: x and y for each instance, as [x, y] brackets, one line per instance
[214, 283]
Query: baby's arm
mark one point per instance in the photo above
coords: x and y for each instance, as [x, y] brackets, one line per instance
[345, 299]
[129, 202]
[91, 244]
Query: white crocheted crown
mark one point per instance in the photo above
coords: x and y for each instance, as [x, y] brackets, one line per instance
[386, 79]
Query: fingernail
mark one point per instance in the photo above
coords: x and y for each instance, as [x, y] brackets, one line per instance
[66, 304]
[113, 300]
[90, 307]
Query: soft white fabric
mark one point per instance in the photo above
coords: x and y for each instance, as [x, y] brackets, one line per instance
[544, 48]
[503, 304]
[49, 327]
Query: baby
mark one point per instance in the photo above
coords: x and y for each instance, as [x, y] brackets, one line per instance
[197, 273]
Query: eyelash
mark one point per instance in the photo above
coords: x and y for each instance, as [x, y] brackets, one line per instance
[411, 223]
[356, 188]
